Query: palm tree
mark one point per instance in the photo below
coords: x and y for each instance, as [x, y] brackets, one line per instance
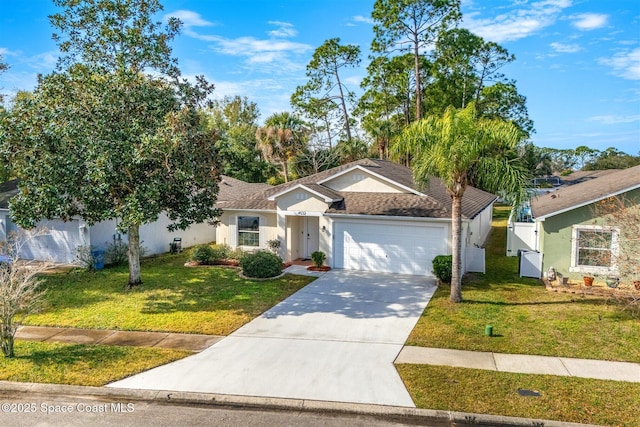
[460, 148]
[281, 139]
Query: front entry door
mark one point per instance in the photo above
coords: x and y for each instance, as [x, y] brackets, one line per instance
[309, 236]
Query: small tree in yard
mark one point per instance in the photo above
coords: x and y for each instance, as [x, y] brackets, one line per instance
[20, 290]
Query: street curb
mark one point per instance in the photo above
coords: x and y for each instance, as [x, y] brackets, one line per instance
[400, 414]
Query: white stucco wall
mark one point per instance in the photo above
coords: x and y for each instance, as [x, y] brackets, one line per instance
[359, 181]
[155, 237]
[302, 201]
[226, 231]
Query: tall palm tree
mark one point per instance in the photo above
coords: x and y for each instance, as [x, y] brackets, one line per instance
[460, 148]
[281, 138]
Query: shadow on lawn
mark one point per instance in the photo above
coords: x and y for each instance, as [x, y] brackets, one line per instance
[72, 354]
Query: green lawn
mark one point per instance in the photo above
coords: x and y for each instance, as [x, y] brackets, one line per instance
[569, 399]
[173, 298]
[92, 365]
[526, 318]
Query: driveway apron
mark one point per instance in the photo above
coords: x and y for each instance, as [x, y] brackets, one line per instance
[334, 340]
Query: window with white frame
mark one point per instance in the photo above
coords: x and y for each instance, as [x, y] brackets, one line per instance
[594, 249]
[248, 231]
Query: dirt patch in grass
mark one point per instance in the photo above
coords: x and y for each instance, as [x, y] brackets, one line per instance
[526, 318]
[570, 399]
[91, 365]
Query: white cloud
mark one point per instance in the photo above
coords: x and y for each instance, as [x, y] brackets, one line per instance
[189, 19]
[6, 52]
[565, 48]
[362, 19]
[625, 64]
[589, 21]
[614, 120]
[285, 29]
[521, 22]
[250, 46]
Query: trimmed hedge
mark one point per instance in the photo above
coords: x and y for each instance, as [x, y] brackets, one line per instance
[442, 267]
[261, 264]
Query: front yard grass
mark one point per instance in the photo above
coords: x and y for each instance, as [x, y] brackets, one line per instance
[579, 400]
[91, 365]
[173, 298]
[526, 318]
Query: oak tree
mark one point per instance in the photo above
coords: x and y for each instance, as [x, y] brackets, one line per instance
[114, 132]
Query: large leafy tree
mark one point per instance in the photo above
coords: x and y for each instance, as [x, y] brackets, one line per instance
[325, 88]
[101, 139]
[460, 148]
[411, 26]
[234, 122]
[281, 139]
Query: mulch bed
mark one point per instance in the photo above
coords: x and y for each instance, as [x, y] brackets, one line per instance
[597, 289]
[321, 268]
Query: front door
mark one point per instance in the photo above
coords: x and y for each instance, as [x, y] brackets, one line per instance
[309, 235]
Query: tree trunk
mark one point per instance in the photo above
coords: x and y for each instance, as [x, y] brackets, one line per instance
[6, 343]
[416, 53]
[134, 256]
[285, 171]
[344, 108]
[456, 247]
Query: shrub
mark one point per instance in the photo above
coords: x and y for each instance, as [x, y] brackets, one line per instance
[236, 254]
[116, 253]
[220, 252]
[261, 264]
[203, 254]
[442, 267]
[274, 245]
[318, 258]
[84, 256]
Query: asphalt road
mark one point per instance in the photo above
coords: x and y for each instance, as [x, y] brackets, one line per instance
[40, 410]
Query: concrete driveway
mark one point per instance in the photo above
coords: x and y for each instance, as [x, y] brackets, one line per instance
[334, 340]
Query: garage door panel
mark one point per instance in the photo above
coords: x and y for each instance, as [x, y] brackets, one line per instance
[392, 248]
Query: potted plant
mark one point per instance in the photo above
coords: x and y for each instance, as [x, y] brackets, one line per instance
[588, 280]
[612, 282]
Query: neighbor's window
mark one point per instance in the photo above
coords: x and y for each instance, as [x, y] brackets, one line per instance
[594, 249]
[248, 231]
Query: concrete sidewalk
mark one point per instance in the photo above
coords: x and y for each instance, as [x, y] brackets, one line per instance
[190, 342]
[522, 363]
[517, 363]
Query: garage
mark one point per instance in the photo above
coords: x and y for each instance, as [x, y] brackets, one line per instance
[58, 242]
[390, 247]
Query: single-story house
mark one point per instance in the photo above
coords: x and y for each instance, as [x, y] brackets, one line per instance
[365, 215]
[522, 229]
[61, 239]
[558, 224]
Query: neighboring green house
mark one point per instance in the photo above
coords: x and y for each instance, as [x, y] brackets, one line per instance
[569, 233]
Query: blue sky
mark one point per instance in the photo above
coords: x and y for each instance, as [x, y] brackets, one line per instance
[577, 61]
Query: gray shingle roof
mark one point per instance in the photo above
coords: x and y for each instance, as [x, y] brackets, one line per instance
[586, 192]
[436, 203]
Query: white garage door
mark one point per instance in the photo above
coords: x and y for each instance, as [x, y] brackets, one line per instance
[406, 248]
[58, 243]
